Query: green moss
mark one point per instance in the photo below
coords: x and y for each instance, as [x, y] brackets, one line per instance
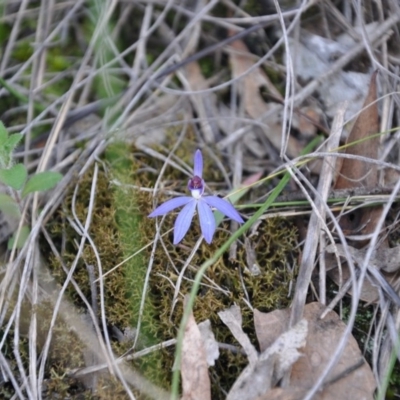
[207, 66]
[116, 231]
[66, 352]
[253, 7]
[5, 31]
[120, 228]
[274, 248]
[23, 50]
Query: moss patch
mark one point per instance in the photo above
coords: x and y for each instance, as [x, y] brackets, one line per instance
[120, 228]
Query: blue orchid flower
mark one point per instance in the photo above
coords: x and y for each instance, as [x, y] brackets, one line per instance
[202, 203]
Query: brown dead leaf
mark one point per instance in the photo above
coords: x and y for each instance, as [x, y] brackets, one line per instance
[241, 61]
[323, 337]
[209, 342]
[266, 369]
[369, 292]
[205, 104]
[232, 318]
[384, 258]
[306, 120]
[194, 368]
[355, 173]
[269, 326]
[387, 259]
[284, 351]
[283, 394]
[270, 366]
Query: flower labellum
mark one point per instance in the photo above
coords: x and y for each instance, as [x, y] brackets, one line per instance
[202, 203]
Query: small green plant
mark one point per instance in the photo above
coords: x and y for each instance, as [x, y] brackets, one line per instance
[15, 178]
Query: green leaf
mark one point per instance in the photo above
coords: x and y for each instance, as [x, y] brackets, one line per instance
[12, 141]
[41, 182]
[8, 206]
[3, 134]
[14, 177]
[20, 239]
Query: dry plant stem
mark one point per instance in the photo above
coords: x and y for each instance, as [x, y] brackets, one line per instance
[322, 270]
[211, 49]
[6, 286]
[341, 20]
[70, 315]
[146, 283]
[203, 268]
[46, 347]
[356, 292]
[131, 256]
[33, 334]
[143, 84]
[83, 231]
[290, 86]
[67, 104]
[152, 153]
[93, 341]
[316, 220]
[13, 36]
[380, 342]
[359, 193]
[385, 121]
[231, 21]
[26, 255]
[92, 312]
[221, 166]
[9, 374]
[380, 352]
[346, 372]
[151, 261]
[228, 83]
[381, 30]
[38, 64]
[139, 354]
[182, 273]
[339, 296]
[93, 287]
[141, 50]
[28, 266]
[71, 13]
[322, 154]
[368, 42]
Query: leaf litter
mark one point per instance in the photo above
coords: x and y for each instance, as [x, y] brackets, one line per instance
[238, 114]
[194, 366]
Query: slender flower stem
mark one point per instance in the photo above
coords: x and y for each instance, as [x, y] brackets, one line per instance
[202, 271]
[203, 268]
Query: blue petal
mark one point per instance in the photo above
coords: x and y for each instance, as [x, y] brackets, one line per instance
[224, 207]
[170, 205]
[184, 220]
[198, 164]
[207, 220]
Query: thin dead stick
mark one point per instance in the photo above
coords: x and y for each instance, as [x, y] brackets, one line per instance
[359, 193]
[350, 55]
[316, 220]
[345, 373]
[211, 49]
[95, 368]
[339, 296]
[322, 270]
